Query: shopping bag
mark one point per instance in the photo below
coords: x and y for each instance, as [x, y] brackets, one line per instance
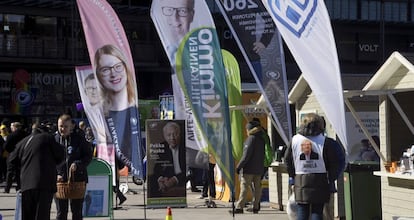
[292, 207]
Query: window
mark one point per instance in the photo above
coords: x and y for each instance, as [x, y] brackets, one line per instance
[370, 10]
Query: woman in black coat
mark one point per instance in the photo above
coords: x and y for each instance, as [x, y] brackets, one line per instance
[314, 163]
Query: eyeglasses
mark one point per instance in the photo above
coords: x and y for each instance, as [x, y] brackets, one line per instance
[117, 68]
[182, 12]
[91, 89]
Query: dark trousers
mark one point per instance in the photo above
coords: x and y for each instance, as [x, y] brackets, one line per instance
[75, 208]
[11, 176]
[314, 210]
[36, 204]
[208, 180]
[191, 178]
[3, 168]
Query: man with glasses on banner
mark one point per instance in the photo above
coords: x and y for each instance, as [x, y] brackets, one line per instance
[95, 113]
[176, 19]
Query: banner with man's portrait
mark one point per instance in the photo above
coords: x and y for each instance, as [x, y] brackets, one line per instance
[188, 34]
[166, 163]
[92, 104]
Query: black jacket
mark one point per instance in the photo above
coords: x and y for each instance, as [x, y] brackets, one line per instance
[37, 160]
[252, 161]
[77, 150]
[13, 139]
[317, 187]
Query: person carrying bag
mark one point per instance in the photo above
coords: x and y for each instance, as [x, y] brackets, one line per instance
[77, 157]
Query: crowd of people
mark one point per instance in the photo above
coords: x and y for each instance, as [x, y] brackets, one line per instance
[27, 156]
[311, 156]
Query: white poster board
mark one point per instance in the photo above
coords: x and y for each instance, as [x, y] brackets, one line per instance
[96, 197]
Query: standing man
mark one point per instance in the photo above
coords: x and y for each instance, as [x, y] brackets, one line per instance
[16, 135]
[250, 167]
[77, 155]
[36, 155]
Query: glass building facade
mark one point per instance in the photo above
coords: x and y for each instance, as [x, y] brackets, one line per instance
[41, 41]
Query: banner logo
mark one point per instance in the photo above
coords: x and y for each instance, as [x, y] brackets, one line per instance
[197, 58]
[293, 14]
[24, 98]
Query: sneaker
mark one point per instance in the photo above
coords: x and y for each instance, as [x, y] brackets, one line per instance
[236, 211]
[195, 190]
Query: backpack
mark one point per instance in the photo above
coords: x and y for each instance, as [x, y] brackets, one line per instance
[269, 152]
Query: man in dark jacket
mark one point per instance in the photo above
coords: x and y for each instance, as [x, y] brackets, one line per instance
[78, 156]
[36, 155]
[17, 135]
[251, 167]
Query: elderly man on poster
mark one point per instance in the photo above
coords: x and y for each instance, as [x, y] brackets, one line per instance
[169, 176]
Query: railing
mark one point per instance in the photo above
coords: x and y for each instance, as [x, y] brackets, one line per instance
[44, 47]
[66, 49]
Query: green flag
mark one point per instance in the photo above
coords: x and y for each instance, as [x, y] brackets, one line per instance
[235, 99]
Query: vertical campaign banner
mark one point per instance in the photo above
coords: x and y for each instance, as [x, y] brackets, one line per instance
[166, 163]
[113, 66]
[235, 99]
[173, 19]
[90, 93]
[261, 45]
[305, 26]
[189, 37]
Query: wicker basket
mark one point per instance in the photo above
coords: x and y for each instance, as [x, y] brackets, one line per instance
[70, 189]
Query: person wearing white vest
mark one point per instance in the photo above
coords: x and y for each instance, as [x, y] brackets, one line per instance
[314, 162]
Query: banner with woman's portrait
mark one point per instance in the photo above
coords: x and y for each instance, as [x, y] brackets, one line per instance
[113, 68]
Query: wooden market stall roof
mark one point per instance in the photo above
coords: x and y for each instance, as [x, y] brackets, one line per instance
[351, 84]
[397, 73]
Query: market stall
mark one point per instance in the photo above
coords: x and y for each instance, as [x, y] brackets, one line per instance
[361, 117]
[394, 85]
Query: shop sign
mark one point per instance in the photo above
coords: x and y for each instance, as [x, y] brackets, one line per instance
[50, 79]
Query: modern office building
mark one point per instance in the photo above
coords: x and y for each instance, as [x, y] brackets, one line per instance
[41, 41]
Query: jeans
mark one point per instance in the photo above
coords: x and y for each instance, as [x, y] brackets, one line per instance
[314, 210]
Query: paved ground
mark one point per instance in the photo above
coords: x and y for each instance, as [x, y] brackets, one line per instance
[134, 208]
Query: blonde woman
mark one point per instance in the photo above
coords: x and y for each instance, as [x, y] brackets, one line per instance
[116, 78]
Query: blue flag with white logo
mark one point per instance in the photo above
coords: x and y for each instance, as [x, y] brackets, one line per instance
[305, 26]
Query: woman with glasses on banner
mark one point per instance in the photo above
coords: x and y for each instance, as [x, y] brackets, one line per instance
[116, 79]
